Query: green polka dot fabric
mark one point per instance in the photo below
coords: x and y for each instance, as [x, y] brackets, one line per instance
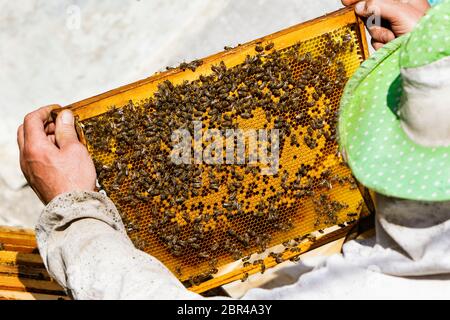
[380, 154]
[430, 40]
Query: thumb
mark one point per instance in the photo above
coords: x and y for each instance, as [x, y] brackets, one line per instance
[65, 132]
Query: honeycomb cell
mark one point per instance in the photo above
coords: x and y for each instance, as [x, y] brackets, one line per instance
[198, 217]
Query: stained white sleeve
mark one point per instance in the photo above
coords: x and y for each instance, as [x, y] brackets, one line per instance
[84, 246]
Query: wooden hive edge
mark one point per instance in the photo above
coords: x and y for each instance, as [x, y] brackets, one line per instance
[99, 104]
[13, 283]
[18, 258]
[20, 295]
[270, 262]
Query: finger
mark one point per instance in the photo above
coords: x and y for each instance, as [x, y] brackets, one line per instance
[34, 123]
[21, 142]
[381, 34]
[421, 5]
[394, 11]
[52, 138]
[377, 45]
[65, 129]
[349, 2]
[401, 16]
[20, 137]
[382, 8]
[50, 128]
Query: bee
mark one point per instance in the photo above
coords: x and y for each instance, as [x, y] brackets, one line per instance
[256, 262]
[147, 183]
[352, 47]
[286, 243]
[203, 255]
[192, 281]
[246, 115]
[186, 217]
[214, 186]
[180, 200]
[353, 184]
[263, 268]
[326, 184]
[299, 117]
[310, 142]
[237, 255]
[245, 277]
[294, 141]
[311, 104]
[269, 46]
[197, 185]
[346, 38]
[213, 270]
[215, 246]
[316, 96]
[259, 48]
[227, 205]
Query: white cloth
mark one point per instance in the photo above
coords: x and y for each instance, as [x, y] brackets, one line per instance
[85, 248]
[425, 107]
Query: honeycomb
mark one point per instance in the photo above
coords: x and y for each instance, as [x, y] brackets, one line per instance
[198, 217]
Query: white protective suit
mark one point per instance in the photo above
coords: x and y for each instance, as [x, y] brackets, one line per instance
[85, 248]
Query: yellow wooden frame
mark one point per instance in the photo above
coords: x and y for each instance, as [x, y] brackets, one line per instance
[142, 89]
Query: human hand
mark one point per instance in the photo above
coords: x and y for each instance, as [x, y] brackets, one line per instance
[51, 157]
[398, 17]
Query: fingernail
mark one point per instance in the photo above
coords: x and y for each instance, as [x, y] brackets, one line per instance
[67, 117]
[360, 7]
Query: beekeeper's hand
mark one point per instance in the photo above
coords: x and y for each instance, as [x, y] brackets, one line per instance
[51, 157]
[388, 19]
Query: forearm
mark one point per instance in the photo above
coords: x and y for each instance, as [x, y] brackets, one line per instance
[85, 248]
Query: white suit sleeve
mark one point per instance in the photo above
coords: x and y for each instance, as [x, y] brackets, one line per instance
[84, 246]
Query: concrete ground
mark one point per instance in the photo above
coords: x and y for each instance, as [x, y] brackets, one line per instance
[61, 51]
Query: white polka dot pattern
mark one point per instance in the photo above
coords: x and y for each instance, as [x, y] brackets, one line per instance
[379, 152]
[430, 40]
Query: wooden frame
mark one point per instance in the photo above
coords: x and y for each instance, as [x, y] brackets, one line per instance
[142, 89]
[99, 104]
[22, 272]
